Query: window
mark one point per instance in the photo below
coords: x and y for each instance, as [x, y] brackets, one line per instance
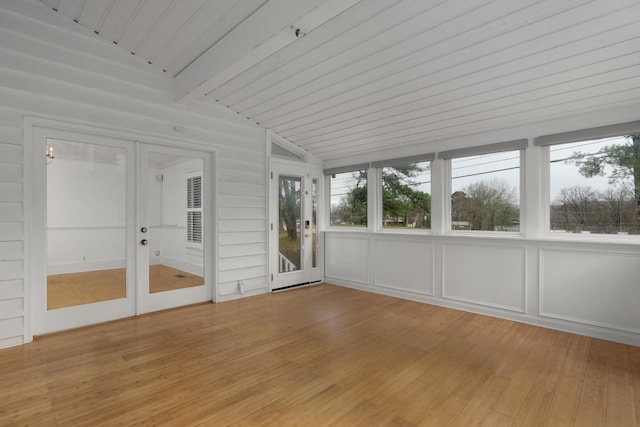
[348, 196]
[594, 175]
[194, 209]
[592, 186]
[485, 187]
[405, 189]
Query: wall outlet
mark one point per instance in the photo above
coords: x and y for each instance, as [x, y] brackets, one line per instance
[241, 287]
[84, 257]
[157, 253]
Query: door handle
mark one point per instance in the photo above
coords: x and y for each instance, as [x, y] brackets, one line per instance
[307, 235]
[144, 242]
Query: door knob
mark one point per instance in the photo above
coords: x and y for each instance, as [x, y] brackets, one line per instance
[144, 242]
[307, 235]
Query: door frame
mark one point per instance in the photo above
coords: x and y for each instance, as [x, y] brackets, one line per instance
[43, 319]
[308, 171]
[35, 219]
[145, 301]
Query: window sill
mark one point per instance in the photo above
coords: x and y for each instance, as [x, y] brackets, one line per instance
[407, 231]
[347, 229]
[487, 234]
[614, 239]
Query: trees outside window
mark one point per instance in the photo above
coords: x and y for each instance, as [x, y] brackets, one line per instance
[595, 186]
[485, 192]
[348, 195]
[406, 196]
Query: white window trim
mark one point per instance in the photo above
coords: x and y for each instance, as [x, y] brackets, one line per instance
[370, 199]
[545, 142]
[379, 215]
[545, 159]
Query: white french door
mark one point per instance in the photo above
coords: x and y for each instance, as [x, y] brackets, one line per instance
[115, 228]
[80, 240]
[296, 255]
[174, 247]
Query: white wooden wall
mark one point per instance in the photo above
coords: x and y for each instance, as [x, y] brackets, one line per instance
[52, 68]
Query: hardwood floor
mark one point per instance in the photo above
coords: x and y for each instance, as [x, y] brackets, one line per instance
[65, 290]
[322, 355]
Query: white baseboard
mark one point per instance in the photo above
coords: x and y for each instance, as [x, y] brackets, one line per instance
[81, 267]
[178, 264]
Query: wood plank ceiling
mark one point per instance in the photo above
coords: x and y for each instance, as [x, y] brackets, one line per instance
[393, 73]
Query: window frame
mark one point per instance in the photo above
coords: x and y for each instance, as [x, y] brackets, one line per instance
[544, 143]
[377, 166]
[519, 145]
[345, 169]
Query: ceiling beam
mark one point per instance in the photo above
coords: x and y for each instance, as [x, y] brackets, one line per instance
[274, 25]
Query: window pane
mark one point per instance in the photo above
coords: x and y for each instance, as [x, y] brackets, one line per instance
[86, 224]
[485, 192]
[406, 196]
[349, 199]
[592, 186]
[314, 222]
[290, 208]
[176, 222]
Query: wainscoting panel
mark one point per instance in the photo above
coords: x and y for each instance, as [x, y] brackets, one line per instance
[493, 276]
[347, 258]
[596, 288]
[404, 265]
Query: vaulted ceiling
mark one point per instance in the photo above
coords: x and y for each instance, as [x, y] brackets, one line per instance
[344, 77]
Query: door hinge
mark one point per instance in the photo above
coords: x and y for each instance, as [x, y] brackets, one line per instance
[271, 226]
[271, 175]
[272, 277]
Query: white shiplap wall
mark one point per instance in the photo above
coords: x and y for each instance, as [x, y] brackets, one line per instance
[53, 68]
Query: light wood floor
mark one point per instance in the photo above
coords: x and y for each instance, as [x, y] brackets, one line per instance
[322, 355]
[65, 290]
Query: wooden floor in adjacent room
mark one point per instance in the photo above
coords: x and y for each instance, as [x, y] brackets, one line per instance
[322, 355]
[66, 290]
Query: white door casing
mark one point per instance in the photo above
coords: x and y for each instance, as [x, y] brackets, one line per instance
[307, 267]
[39, 320]
[44, 320]
[184, 163]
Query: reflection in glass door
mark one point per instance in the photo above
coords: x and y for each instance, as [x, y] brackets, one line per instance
[175, 222]
[172, 228]
[86, 223]
[81, 217]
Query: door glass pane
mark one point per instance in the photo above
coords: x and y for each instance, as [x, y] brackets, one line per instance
[314, 221]
[290, 219]
[86, 219]
[176, 222]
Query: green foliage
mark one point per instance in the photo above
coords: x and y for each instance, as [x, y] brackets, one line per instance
[401, 202]
[352, 209]
[623, 161]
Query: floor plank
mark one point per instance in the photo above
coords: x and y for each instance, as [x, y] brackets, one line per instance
[322, 355]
